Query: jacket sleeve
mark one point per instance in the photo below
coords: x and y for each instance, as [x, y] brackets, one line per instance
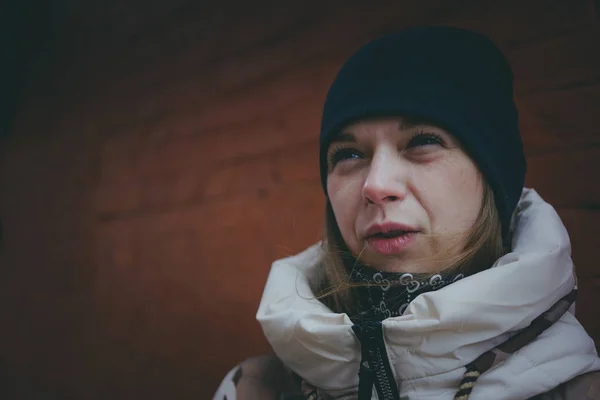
[264, 378]
[583, 387]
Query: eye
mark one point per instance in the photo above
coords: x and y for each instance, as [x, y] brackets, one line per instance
[341, 154]
[425, 139]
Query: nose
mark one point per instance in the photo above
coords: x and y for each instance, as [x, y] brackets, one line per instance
[386, 180]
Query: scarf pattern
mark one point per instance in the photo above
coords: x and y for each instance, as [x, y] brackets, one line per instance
[384, 295]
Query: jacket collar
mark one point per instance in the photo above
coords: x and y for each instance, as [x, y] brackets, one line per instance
[442, 331]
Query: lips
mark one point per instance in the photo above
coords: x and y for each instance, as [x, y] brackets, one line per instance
[389, 229]
[391, 238]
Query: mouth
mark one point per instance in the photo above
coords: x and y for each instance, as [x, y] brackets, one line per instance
[389, 230]
[391, 234]
[389, 239]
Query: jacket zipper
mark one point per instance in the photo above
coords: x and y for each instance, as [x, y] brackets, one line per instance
[374, 365]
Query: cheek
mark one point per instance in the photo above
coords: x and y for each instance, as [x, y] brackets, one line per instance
[453, 196]
[344, 196]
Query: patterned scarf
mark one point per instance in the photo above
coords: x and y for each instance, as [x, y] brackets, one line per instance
[388, 294]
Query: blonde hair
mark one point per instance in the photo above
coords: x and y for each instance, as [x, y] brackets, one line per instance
[482, 247]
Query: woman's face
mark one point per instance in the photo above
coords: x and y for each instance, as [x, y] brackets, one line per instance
[398, 188]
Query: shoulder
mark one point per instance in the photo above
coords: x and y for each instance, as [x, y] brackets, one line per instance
[583, 387]
[263, 377]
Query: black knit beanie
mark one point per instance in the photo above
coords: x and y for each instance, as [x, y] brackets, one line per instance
[453, 77]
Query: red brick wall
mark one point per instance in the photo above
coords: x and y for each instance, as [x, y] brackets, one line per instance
[166, 153]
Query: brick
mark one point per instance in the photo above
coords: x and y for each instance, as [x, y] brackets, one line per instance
[537, 135]
[117, 199]
[568, 59]
[247, 175]
[583, 227]
[295, 51]
[168, 250]
[119, 188]
[218, 114]
[341, 27]
[178, 279]
[168, 258]
[199, 148]
[566, 180]
[559, 120]
[586, 308]
[248, 49]
[296, 217]
[216, 213]
[303, 60]
[117, 172]
[538, 19]
[114, 244]
[298, 163]
[239, 264]
[115, 258]
[171, 189]
[308, 42]
[307, 81]
[189, 49]
[120, 143]
[41, 194]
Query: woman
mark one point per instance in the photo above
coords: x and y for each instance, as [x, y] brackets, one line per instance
[439, 275]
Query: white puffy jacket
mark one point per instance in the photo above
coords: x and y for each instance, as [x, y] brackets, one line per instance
[442, 331]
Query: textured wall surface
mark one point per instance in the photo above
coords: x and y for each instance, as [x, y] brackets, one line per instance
[165, 153]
